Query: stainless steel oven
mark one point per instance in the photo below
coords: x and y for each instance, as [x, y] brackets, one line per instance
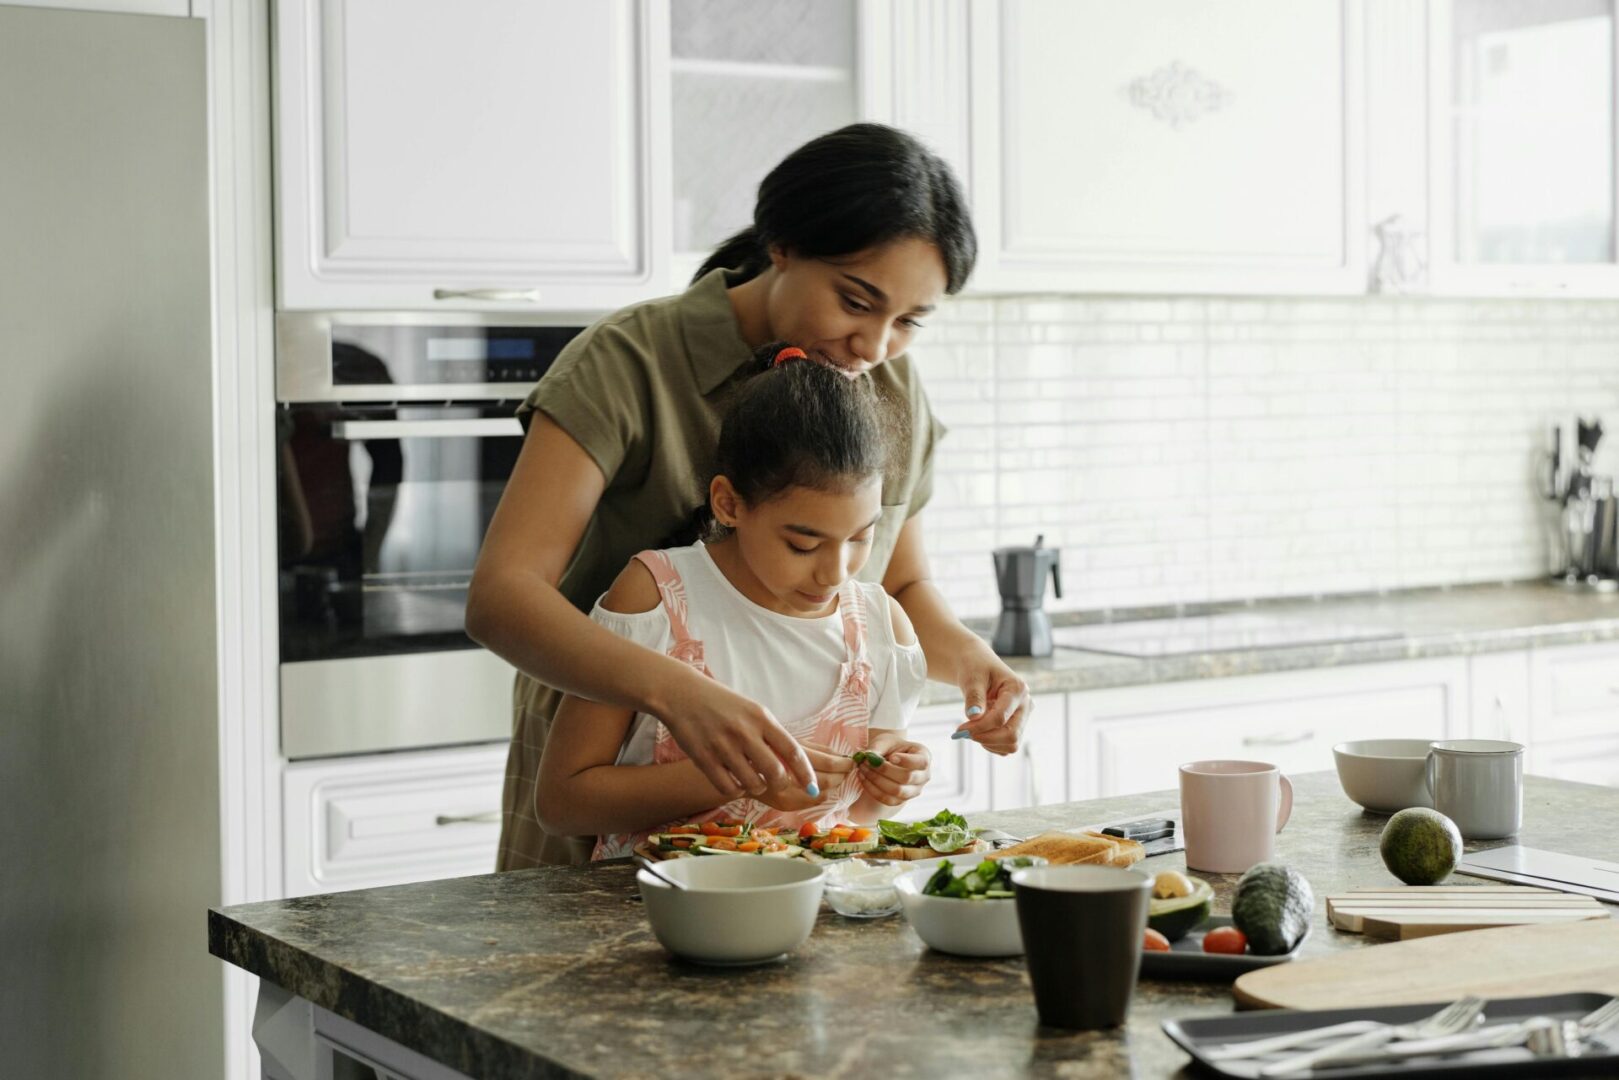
[396, 435]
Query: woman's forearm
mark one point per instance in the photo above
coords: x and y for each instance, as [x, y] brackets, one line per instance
[944, 640]
[624, 798]
[527, 622]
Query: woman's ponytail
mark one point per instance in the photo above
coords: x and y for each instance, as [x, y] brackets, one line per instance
[741, 252]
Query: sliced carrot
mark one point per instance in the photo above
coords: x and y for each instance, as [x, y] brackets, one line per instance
[686, 829]
[681, 843]
[711, 828]
[818, 843]
[841, 831]
[860, 834]
[749, 845]
[722, 843]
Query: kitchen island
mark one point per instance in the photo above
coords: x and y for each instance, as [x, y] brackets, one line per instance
[555, 972]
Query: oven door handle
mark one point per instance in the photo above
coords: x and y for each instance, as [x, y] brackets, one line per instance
[426, 429]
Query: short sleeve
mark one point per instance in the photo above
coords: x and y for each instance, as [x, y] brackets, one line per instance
[923, 491]
[648, 628]
[597, 392]
[901, 675]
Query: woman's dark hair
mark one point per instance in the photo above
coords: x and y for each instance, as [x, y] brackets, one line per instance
[800, 424]
[849, 190]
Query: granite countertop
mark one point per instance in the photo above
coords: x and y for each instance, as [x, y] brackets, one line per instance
[554, 972]
[1455, 621]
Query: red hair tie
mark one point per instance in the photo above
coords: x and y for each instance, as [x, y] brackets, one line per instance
[789, 353]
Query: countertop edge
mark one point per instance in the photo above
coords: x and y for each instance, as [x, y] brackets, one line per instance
[458, 1045]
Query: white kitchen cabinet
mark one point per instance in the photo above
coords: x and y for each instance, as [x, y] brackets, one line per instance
[967, 778]
[387, 819]
[751, 82]
[505, 154]
[1169, 147]
[962, 769]
[1574, 717]
[1523, 148]
[1134, 739]
[1587, 761]
[1500, 698]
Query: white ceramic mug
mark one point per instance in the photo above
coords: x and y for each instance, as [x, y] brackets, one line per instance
[1231, 812]
[1478, 784]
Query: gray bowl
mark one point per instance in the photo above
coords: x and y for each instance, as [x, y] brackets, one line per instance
[1384, 775]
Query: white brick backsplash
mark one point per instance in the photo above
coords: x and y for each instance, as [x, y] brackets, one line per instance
[1183, 450]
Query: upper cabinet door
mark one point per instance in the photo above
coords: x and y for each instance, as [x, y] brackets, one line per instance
[1173, 146]
[504, 154]
[1523, 146]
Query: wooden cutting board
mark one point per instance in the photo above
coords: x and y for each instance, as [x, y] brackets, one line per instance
[1512, 961]
[1412, 911]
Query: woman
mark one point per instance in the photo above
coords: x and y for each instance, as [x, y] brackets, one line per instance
[857, 236]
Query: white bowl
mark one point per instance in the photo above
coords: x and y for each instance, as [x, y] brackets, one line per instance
[962, 927]
[735, 909]
[1384, 775]
[864, 889]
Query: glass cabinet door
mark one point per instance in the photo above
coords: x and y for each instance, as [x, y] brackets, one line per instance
[1523, 129]
[750, 81]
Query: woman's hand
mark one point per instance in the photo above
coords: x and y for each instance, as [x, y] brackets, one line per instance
[906, 769]
[735, 742]
[997, 701]
[831, 773]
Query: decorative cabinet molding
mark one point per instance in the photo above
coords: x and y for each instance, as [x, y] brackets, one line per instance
[504, 154]
[1169, 148]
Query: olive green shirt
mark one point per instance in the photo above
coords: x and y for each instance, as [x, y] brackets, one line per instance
[643, 391]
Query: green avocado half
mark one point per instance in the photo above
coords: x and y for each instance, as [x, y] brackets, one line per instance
[1176, 916]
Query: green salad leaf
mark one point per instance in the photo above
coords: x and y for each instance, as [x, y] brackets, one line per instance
[989, 880]
[944, 831]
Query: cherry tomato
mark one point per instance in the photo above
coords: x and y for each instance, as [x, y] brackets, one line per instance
[807, 830]
[1153, 941]
[1225, 939]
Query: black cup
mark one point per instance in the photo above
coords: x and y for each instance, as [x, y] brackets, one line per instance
[1082, 929]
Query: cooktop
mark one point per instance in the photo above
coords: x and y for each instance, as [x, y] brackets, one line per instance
[1226, 632]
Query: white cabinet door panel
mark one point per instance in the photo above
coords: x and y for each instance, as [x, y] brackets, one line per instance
[427, 146]
[1576, 692]
[1585, 761]
[961, 768]
[1170, 146]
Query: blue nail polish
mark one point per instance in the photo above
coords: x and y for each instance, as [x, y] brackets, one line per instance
[814, 790]
[961, 735]
[976, 710]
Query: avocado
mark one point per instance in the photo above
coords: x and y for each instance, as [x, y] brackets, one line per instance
[1272, 907]
[1176, 916]
[1420, 846]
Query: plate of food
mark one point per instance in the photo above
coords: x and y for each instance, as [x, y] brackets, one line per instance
[944, 834]
[1184, 939]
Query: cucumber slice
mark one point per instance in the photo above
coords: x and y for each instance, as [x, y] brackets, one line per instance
[850, 846]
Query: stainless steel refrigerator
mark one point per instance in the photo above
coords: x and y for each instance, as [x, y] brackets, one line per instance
[109, 717]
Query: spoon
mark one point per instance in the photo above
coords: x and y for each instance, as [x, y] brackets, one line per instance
[652, 868]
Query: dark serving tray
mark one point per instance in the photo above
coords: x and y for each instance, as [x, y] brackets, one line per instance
[1601, 1057]
[1187, 960]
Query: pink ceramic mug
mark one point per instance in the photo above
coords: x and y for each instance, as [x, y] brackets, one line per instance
[1231, 812]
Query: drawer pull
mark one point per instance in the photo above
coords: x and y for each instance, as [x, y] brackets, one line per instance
[1277, 740]
[492, 296]
[488, 817]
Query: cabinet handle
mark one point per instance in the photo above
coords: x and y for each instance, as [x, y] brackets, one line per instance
[488, 817]
[529, 296]
[1277, 740]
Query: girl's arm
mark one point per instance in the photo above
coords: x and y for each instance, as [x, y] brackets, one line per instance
[581, 791]
[515, 611]
[996, 699]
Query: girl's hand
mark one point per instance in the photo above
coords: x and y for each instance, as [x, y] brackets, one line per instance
[907, 767]
[831, 773]
[997, 702]
[735, 742]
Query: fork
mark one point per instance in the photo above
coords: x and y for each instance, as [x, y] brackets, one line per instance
[1455, 1017]
[1598, 1020]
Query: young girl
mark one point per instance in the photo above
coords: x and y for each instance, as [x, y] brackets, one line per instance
[770, 607]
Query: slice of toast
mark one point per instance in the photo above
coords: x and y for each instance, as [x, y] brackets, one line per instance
[1071, 849]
